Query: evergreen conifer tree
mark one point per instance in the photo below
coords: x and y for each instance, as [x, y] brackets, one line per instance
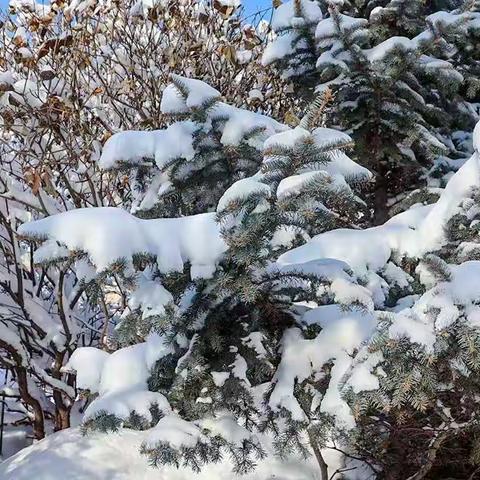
[184, 169]
[419, 417]
[396, 84]
[242, 300]
[210, 340]
[293, 50]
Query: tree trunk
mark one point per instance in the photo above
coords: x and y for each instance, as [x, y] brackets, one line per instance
[33, 403]
[318, 455]
[380, 200]
[62, 408]
[21, 377]
[62, 418]
[373, 148]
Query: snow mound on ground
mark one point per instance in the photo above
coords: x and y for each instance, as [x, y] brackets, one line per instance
[68, 454]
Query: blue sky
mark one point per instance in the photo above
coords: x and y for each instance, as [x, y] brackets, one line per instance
[250, 5]
[253, 5]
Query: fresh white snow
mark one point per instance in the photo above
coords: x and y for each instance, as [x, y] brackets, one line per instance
[109, 234]
[115, 456]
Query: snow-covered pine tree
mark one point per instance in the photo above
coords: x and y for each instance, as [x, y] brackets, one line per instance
[72, 73]
[385, 368]
[464, 57]
[391, 70]
[414, 387]
[293, 50]
[300, 191]
[186, 168]
[203, 346]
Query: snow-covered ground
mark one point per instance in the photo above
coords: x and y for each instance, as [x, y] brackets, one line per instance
[68, 455]
[14, 439]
